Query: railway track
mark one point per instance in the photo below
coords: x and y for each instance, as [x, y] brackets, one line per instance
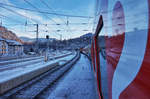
[14, 58]
[34, 88]
[19, 60]
[9, 65]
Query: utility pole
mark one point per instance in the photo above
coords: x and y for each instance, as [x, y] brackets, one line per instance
[47, 49]
[1, 23]
[37, 37]
[60, 37]
[37, 32]
[67, 21]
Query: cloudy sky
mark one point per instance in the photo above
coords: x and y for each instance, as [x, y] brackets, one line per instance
[20, 16]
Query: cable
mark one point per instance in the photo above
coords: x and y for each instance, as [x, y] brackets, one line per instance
[54, 12]
[39, 10]
[18, 13]
[50, 9]
[65, 15]
[10, 19]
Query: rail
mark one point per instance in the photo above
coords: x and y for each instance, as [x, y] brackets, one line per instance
[44, 81]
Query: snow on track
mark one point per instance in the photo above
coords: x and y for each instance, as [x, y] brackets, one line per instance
[9, 74]
[24, 62]
[20, 59]
[31, 58]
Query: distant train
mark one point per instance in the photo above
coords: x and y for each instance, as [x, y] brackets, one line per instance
[125, 74]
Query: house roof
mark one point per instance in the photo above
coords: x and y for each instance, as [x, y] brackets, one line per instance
[13, 42]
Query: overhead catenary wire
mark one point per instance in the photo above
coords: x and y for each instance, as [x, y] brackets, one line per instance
[42, 1]
[133, 22]
[44, 12]
[17, 13]
[12, 19]
[29, 9]
[39, 11]
[51, 10]
[56, 15]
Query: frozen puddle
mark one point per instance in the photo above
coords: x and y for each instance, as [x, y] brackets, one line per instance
[77, 84]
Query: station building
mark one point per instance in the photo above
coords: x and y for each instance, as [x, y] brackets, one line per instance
[3, 47]
[10, 48]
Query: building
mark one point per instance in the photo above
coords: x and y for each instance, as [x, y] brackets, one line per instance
[3, 47]
[14, 48]
[10, 48]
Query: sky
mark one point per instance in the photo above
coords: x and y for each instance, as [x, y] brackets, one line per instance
[22, 22]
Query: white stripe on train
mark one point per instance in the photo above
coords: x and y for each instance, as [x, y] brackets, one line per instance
[128, 66]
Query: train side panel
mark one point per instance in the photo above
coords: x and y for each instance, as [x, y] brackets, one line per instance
[127, 40]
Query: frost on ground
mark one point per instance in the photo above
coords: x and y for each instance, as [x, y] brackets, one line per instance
[10, 74]
[78, 83]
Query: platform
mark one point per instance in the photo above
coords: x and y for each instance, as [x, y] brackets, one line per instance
[14, 77]
[77, 84]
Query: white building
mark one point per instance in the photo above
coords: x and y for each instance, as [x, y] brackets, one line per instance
[3, 47]
[10, 48]
[14, 48]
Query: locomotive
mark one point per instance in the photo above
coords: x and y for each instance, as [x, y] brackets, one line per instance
[125, 71]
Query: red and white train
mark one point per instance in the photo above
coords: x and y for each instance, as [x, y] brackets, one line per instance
[126, 27]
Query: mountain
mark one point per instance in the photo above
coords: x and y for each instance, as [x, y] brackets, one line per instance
[42, 40]
[7, 34]
[87, 35]
[26, 39]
